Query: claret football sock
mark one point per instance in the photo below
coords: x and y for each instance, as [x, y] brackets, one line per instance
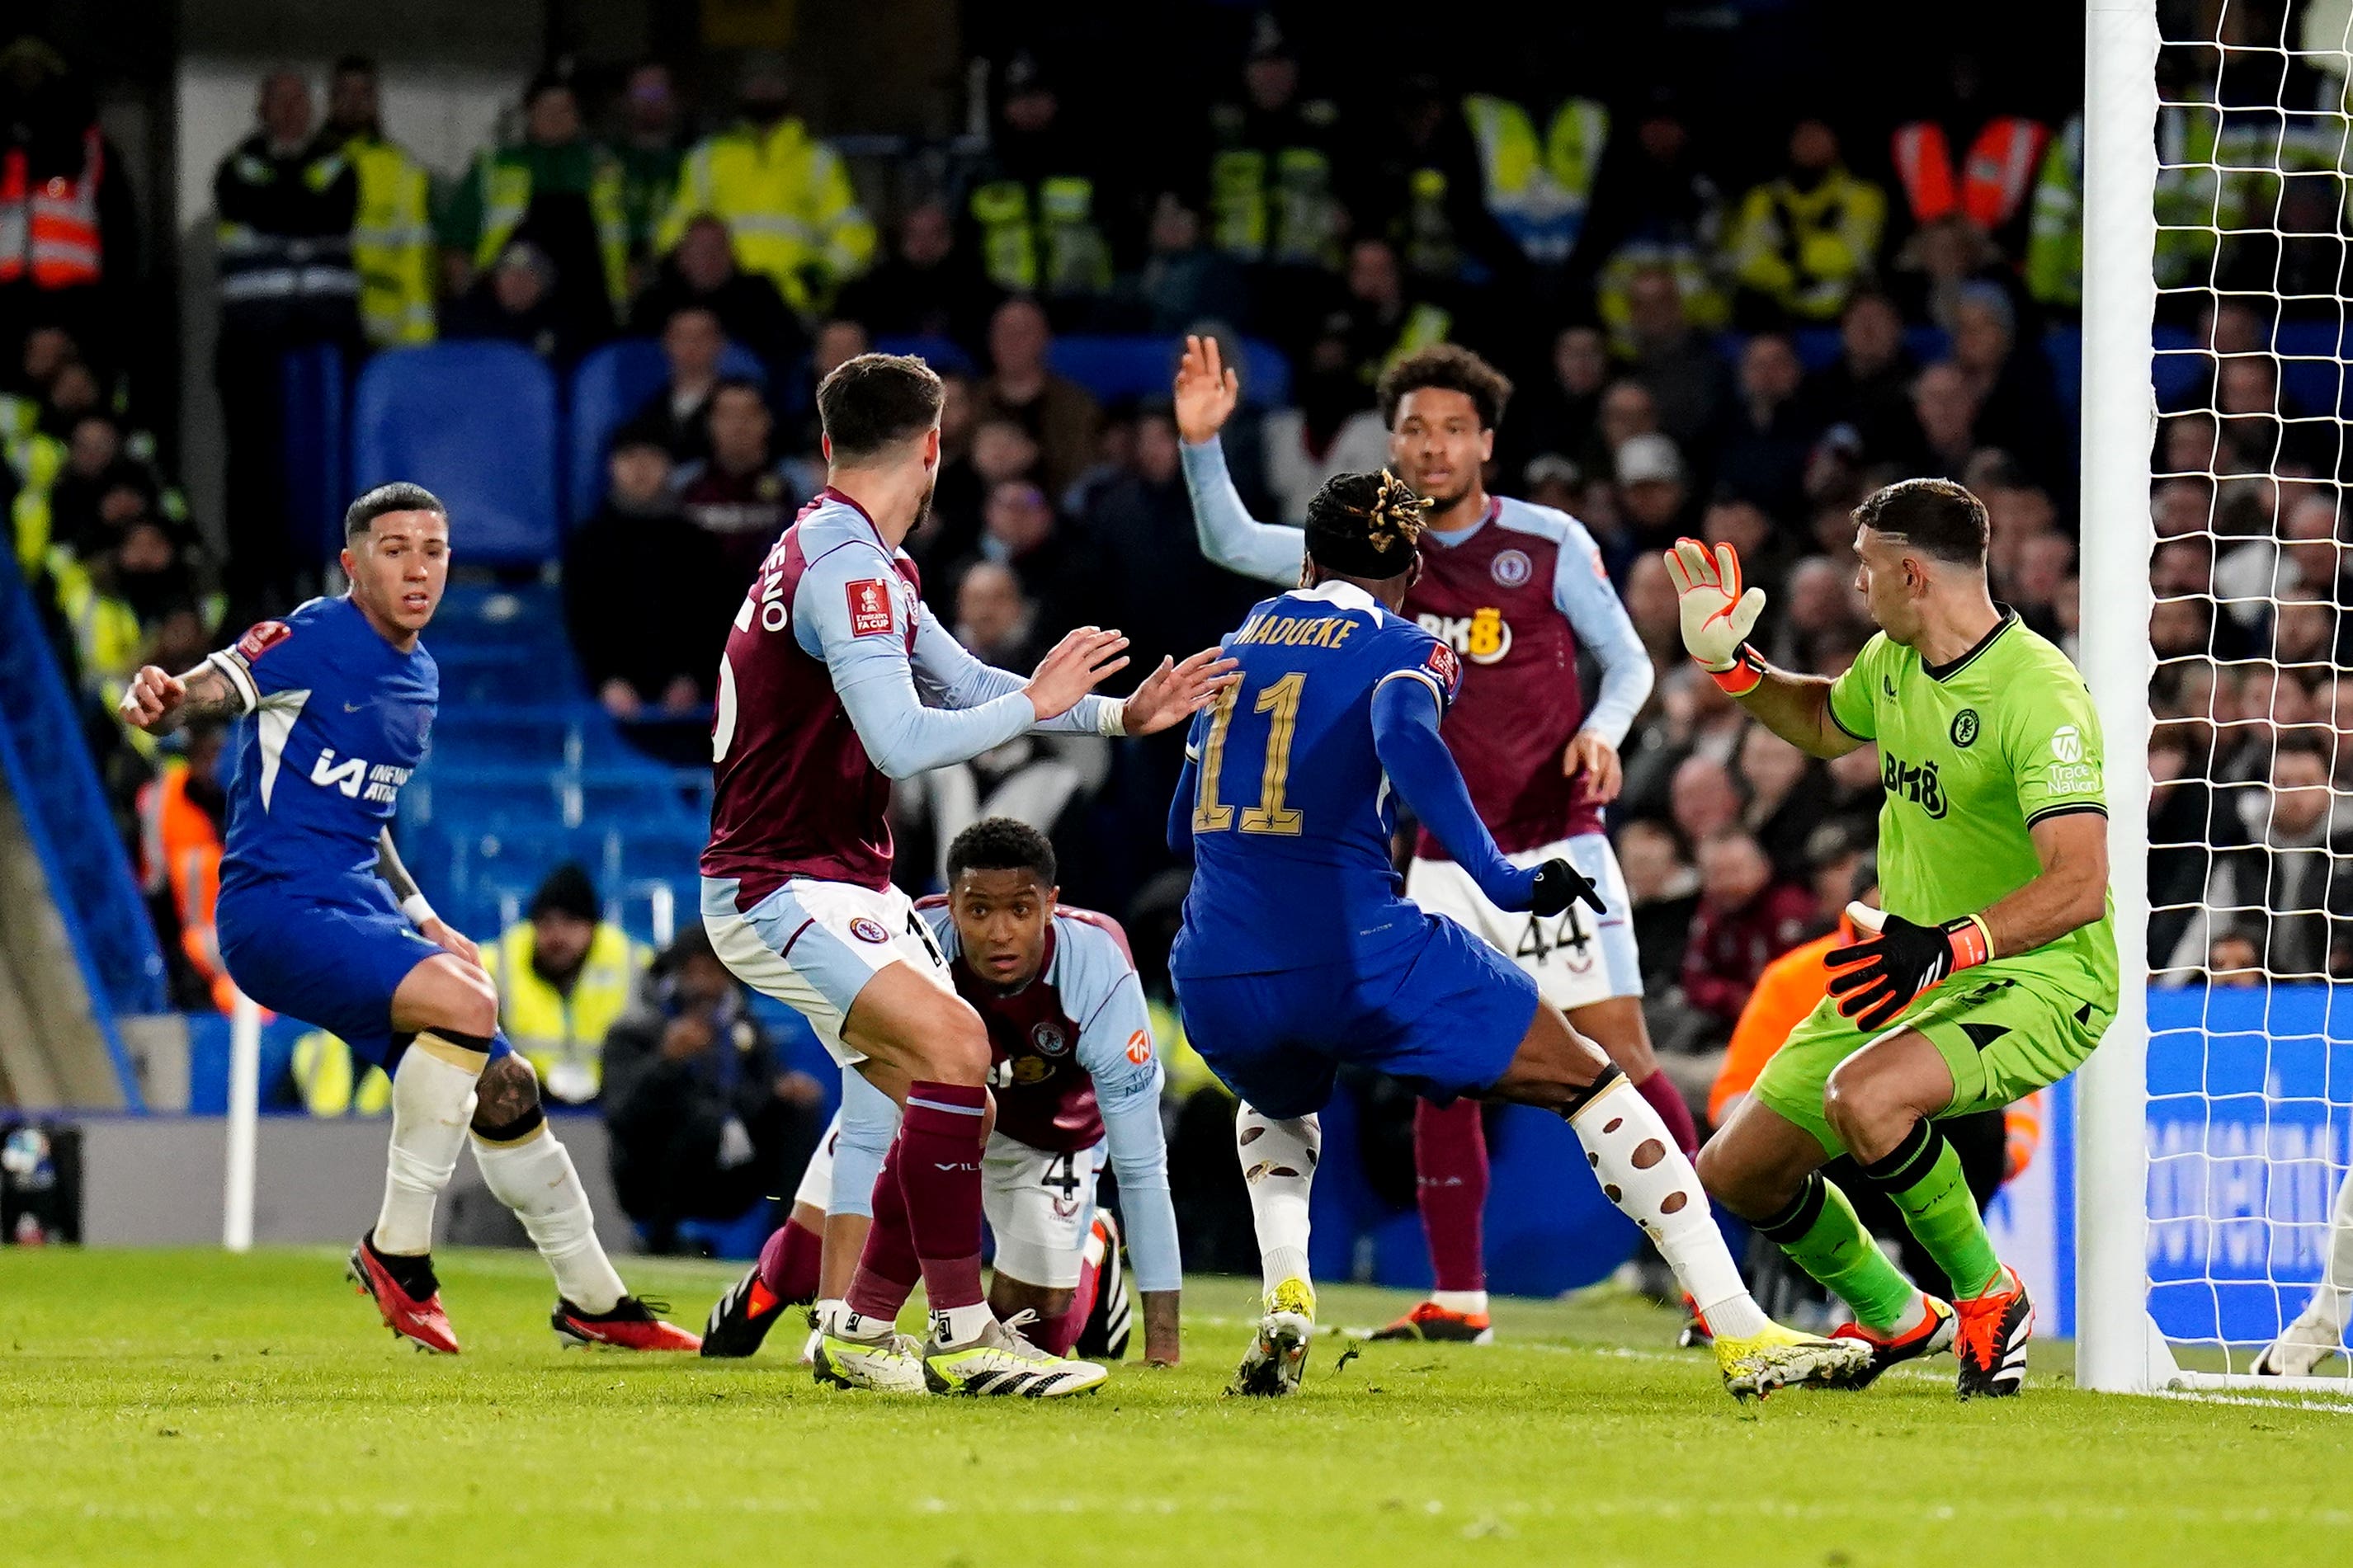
[1923, 1175]
[1668, 1101]
[1278, 1168]
[940, 1141]
[432, 1100]
[1643, 1171]
[1822, 1235]
[887, 1266]
[528, 1170]
[788, 1262]
[1450, 1158]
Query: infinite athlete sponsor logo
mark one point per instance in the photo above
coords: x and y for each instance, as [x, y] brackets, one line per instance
[1050, 1039]
[1917, 785]
[1510, 569]
[356, 776]
[1964, 727]
[865, 929]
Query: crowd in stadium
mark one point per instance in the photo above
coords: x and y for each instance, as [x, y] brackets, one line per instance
[1700, 347]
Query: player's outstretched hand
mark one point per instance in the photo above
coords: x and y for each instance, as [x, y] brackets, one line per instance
[449, 939]
[1597, 759]
[1206, 391]
[151, 697]
[1716, 615]
[1558, 885]
[1175, 692]
[1078, 664]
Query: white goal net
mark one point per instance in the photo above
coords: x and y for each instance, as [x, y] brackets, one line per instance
[2241, 1106]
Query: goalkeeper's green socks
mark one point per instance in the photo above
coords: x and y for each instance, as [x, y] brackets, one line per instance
[1822, 1235]
[1923, 1175]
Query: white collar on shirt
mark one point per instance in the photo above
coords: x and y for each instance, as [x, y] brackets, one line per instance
[1332, 591]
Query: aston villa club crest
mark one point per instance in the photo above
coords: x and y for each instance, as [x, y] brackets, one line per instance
[865, 929]
[1510, 569]
[1050, 1039]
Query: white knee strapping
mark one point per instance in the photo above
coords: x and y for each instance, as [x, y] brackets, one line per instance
[536, 1179]
[1635, 1159]
[1278, 1160]
[432, 1100]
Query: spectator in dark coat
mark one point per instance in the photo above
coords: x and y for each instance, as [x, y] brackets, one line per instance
[517, 303]
[679, 416]
[928, 288]
[1163, 593]
[1762, 441]
[1868, 387]
[701, 273]
[1745, 920]
[705, 1120]
[646, 593]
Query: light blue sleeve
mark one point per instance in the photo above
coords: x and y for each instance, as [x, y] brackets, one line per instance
[874, 676]
[867, 1121]
[1099, 989]
[1230, 536]
[946, 669]
[1581, 588]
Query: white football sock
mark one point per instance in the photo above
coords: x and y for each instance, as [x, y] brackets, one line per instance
[535, 1178]
[1635, 1159]
[1279, 1167]
[1471, 1302]
[2335, 1292]
[432, 1100]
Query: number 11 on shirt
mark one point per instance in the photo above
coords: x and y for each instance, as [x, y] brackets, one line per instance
[1270, 814]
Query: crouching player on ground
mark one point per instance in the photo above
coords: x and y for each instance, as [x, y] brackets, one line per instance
[1075, 1081]
[821, 703]
[318, 919]
[1993, 857]
[1298, 954]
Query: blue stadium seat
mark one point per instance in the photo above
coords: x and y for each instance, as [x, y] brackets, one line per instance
[942, 354]
[318, 481]
[612, 383]
[475, 424]
[1119, 368]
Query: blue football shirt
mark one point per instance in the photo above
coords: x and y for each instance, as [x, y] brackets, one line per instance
[1291, 812]
[339, 719]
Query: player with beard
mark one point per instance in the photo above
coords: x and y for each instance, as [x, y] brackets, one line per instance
[821, 703]
[1515, 590]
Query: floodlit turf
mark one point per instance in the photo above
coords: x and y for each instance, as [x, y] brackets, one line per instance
[186, 1407]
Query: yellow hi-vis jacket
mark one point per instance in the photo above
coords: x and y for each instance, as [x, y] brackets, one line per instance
[562, 1037]
[1539, 190]
[504, 181]
[787, 198]
[392, 242]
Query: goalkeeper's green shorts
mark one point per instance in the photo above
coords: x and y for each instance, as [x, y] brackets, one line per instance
[2002, 1035]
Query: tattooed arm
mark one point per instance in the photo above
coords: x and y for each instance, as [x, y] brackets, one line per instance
[411, 898]
[160, 703]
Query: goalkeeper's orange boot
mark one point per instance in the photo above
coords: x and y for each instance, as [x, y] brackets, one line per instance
[412, 1310]
[1933, 1333]
[1990, 1343]
[630, 1324]
[1429, 1320]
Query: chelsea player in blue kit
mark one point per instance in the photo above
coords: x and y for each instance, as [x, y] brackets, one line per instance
[319, 920]
[1299, 953]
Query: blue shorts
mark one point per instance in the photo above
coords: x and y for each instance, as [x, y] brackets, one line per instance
[1442, 1010]
[329, 953]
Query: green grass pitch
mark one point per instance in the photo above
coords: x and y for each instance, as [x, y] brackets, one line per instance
[191, 1408]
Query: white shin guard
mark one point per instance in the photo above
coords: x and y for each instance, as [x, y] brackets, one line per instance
[1279, 1167]
[1635, 1159]
[2334, 1294]
[535, 1178]
[432, 1100]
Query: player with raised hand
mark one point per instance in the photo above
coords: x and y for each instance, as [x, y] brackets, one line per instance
[1075, 1081]
[1298, 953]
[1993, 859]
[319, 920]
[1515, 590]
[820, 705]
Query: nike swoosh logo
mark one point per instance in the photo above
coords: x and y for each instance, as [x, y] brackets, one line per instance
[353, 706]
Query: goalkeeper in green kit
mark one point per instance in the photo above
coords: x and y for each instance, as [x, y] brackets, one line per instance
[1992, 970]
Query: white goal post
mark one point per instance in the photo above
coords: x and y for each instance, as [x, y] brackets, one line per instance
[2205, 1156]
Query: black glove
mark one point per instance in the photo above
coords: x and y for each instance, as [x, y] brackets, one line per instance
[1896, 960]
[1558, 885]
